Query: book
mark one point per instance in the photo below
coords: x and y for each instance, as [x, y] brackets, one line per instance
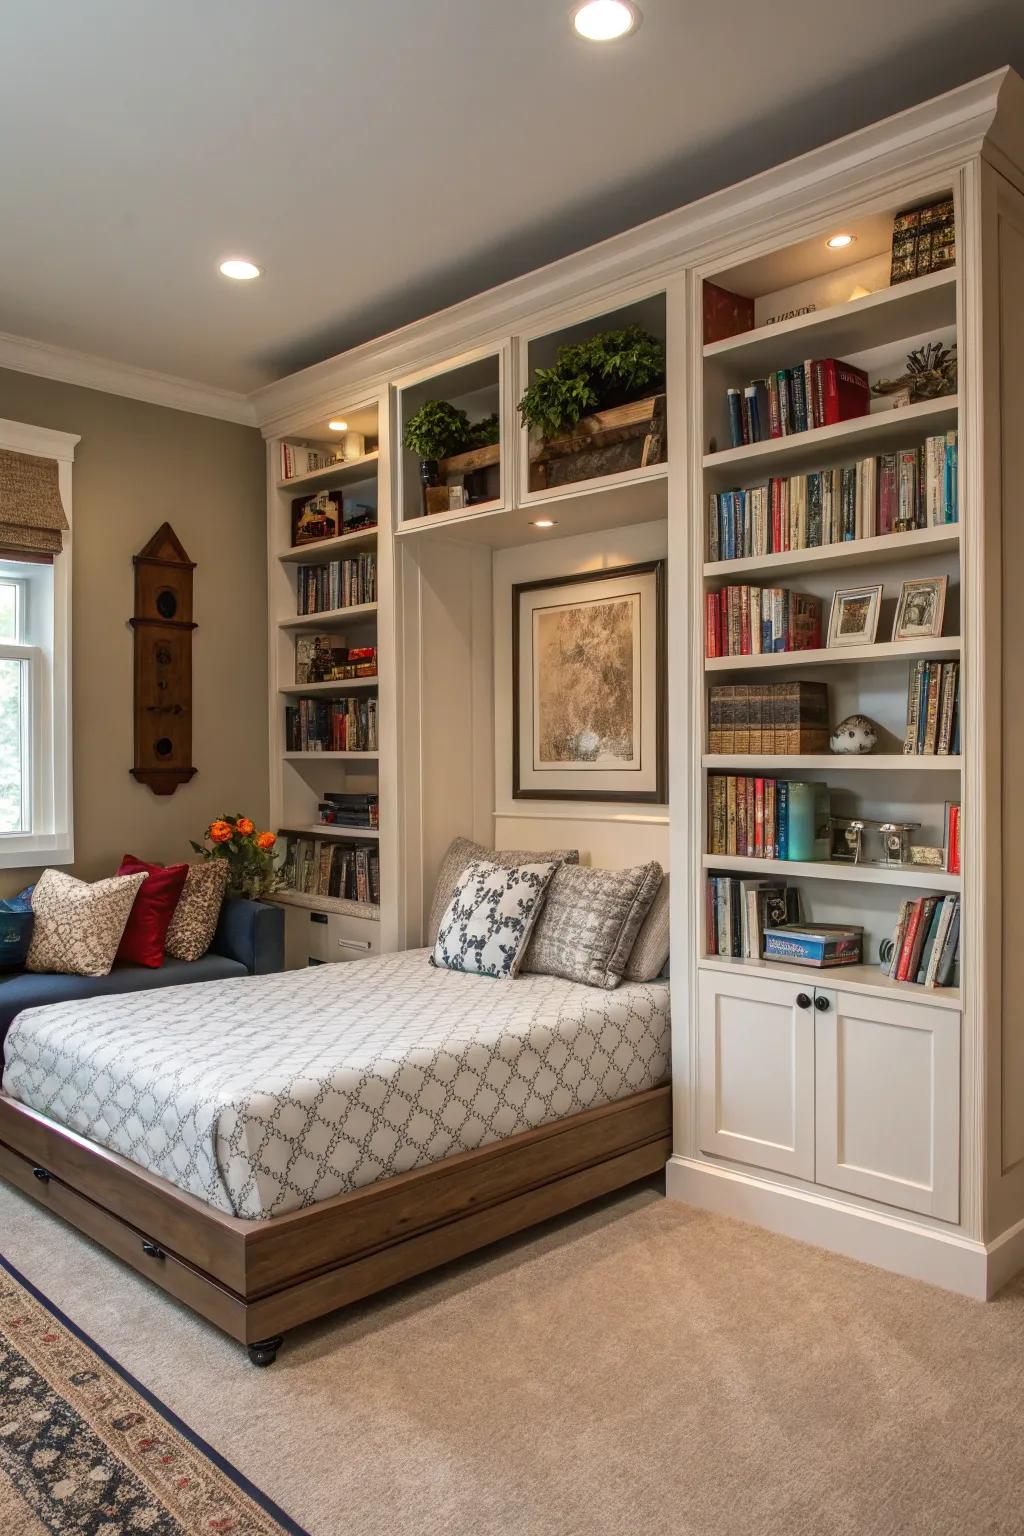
[845, 391]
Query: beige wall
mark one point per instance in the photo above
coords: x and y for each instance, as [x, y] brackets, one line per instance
[136, 467]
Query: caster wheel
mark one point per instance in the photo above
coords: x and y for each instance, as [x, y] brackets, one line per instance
[265, 1351]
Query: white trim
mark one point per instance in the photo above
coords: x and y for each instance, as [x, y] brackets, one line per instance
[1005, 1257]
[20, 437]
[44, 361]
[946, 1259]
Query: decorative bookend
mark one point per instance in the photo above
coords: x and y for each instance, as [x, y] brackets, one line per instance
[163, 663]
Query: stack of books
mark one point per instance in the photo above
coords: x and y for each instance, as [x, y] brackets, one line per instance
[327, 659]
[926, 942]
[763, 818]
[331, 725]
[298, 460]
[317, 867]
[890, 493]
[933, 709]
[337, 584]
[817, 393]
[768, 718]
[737, 912]
[342, 810]
[752, 621]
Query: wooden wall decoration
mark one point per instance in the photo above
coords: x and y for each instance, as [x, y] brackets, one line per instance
[163, 663]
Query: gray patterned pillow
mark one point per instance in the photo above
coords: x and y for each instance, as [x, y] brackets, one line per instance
[463, 851]
[590, 921]
[195, 917]
[78, 926]
[650, 952]
[488, 922]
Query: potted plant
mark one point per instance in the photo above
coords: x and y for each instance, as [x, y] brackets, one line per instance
[608, 369]
[435, 431]
[252, 871]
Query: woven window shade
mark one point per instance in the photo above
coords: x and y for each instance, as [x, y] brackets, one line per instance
[31, 514]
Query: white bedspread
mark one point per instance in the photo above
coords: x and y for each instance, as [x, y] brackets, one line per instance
[267, 1093]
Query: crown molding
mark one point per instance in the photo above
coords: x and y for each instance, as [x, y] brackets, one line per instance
[88, 372]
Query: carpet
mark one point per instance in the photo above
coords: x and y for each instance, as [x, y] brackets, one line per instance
[639, 1368]
[87, 1451]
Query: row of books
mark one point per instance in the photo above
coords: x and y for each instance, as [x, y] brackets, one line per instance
[816, 393]
[767, 818]
[337, 584]
[752, 621]
[344, 810]
[299, 460]
[331, 725]
[926, 942]
[933, 709]
[923, 240]
[321, 867]
[768, 718]
[737, 912]
[890, 493]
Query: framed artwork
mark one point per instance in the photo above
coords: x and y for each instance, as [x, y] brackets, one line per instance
[920, 609]
[854, 616]
[588, 686]
[316, 517]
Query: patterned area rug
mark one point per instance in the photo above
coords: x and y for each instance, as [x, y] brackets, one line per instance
[85, 1450]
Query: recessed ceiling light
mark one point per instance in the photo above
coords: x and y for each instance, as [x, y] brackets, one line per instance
[338, 426]
[840, 242]
[238, 267]
[543, 522]
[602, 21]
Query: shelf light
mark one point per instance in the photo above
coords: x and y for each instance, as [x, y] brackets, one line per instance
[604, 21]
[337, 426]
[839, 242]
[239, 268]
[543, 522]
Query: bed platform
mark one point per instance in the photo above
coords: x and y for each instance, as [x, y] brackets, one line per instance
[256, 1279]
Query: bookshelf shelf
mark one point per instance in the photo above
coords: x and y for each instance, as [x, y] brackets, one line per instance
[875, 433]
[319, 550]
[946, 647]
[350, 615]
[339, 904]
[330, 829]
[332, 690]
[349, 472]
[328, 757]
[908, 309]
[882, 762]
[865, 980]
[910, 877]
[885, 547]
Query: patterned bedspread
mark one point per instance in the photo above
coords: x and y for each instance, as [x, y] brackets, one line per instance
[267, 1093]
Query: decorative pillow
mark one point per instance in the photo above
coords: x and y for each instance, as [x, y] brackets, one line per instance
[463, 851]
[490, 917]
[195, 917]
[650, 952]
[143, 940]
[78, 926]
[590, 921]
[16, 922]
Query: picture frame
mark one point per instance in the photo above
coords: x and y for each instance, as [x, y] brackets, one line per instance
[854, 616]
[920, 610]
[316, 517]
[588, 686]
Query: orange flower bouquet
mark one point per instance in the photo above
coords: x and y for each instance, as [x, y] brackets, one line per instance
[252, 868]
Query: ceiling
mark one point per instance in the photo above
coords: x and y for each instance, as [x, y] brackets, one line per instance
[383, 160]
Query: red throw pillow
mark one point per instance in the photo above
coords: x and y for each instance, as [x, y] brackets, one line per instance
[142, 942]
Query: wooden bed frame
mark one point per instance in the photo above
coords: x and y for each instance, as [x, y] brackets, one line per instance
[254, 1279]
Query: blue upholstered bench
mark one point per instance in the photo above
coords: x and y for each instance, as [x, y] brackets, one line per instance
[249, 942]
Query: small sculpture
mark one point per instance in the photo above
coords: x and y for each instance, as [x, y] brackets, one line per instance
[931, 373]
[854, 736]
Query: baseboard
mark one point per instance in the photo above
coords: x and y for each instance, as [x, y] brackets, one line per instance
[1005, 1257]
[945, 1259]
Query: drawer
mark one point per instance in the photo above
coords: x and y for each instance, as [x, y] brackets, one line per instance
[326, 937]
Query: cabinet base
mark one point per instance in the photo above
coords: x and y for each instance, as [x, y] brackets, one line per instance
[945, 1259]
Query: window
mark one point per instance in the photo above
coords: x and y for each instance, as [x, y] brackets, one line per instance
[35, 723]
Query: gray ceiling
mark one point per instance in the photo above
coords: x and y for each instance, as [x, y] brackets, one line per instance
[382, 160]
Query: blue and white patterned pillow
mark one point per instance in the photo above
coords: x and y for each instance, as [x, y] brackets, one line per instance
[487, 924]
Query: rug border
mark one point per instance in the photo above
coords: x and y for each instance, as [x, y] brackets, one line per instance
[238, 1478]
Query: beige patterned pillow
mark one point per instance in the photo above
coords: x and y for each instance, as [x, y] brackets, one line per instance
[650, 952]
[462, 852]
[195, 917]
[588, 924]
[78, 926]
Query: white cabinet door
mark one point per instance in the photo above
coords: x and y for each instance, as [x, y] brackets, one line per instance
[888, 1101]
[756, 1071]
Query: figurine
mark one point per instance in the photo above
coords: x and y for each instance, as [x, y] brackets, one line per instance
[856, 735]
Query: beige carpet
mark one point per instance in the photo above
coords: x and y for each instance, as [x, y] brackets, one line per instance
[640, 1369]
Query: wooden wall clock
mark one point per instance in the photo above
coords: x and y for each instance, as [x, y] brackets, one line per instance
[163, 663]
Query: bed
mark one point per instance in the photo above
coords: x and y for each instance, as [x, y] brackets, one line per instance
[273, 1147]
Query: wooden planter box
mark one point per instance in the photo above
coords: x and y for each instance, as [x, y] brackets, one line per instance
[606, 443]
[443, 498]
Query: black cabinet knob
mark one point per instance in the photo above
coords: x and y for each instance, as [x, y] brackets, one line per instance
[822, 1004]
[151, 1250]
[42, 1175]
[802, 1000]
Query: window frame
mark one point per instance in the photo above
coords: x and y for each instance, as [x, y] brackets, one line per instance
[45, 645]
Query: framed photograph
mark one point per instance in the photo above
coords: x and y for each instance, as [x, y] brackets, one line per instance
[854, 616]
[316, 517]
[920, 609]
[588, 686]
